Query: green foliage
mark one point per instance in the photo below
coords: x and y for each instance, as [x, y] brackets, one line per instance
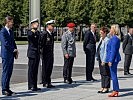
[25, 13]
[125, 12]
[103, 12]
[12, 8]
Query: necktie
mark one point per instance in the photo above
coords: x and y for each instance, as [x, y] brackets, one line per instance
[10, 32]
[94, 36]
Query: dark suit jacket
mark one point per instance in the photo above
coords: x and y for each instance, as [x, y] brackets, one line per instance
[89, 44]
[128, 44]
[113, 46]
[33, 44]
[7, 43]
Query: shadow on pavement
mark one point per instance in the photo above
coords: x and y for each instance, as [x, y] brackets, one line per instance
[31, 93]
[18, 94]
[128, 90]
[130, 76]
[67, 86]
[84, 81]
[127, 94]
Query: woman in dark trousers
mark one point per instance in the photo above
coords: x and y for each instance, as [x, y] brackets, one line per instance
[103, 65]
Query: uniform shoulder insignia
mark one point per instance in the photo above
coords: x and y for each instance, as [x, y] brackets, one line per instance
[32, 30]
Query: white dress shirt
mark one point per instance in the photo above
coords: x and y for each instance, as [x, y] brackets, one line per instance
[7, 29]
[49, 32]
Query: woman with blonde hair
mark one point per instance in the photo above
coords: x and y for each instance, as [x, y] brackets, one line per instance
[113, 57]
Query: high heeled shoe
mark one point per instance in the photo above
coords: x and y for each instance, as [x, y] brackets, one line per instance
[114, 94]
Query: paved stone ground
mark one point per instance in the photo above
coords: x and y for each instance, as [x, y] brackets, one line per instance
[81, 90]
[58, 56]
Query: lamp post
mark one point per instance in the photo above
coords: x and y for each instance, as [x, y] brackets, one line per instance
[34, 12]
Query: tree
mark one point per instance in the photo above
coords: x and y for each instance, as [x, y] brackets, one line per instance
[54, 9]
[103, 12]
[77, 11]
[11, 8]
[124, 13]
[25, 12]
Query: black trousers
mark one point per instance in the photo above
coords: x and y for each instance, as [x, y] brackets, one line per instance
[90, 60]
[105, 75]
[47, 67]
[33, 71]
[127, 63]
[67, 69]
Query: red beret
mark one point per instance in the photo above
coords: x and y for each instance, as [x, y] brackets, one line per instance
[70, 25]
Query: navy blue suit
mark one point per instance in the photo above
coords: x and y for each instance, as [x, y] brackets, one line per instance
[113, 56]
[7, 47]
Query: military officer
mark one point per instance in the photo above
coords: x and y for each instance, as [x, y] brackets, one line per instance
[33, 54]
[48, 54]
[69, 52]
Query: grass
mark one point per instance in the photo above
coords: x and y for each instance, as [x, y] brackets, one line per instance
[26, 42]
[21, 42]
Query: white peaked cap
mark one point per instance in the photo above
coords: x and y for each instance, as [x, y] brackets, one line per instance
[50, 22]
[35, 20]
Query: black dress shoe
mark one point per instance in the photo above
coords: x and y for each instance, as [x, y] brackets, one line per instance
[91, 80]
[65, 80]
[13, 93]
[130, 73]
[70, 81]
[35, 89]
[127, 73]
[44, 85]
[7, 93]
[99, 91]
[50, 86]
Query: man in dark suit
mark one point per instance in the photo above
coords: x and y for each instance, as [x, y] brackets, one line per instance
[8, 49]
[48, 54]
[89, 46]
[33, 54]
[128, 50]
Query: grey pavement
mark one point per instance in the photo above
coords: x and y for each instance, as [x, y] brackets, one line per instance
[80, 90]
[58, 56]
